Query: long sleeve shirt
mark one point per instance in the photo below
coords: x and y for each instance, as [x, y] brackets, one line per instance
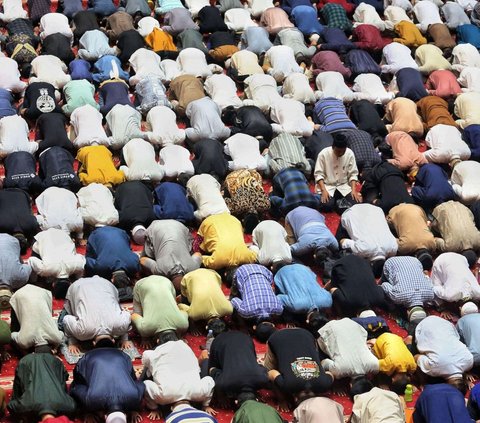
[465, 181]
[14, 136]
[205, 191]
[270, 238]
[96, 205]
[140, 164]
[13, 273]
[393, 355]
[405, 151]
[446, 144]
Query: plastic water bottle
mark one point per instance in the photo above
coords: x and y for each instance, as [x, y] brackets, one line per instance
[210, 339]
[408, 393]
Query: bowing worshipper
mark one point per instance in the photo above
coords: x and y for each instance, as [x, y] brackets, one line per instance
[96, 206]
[404, 152]
[469, 79]
[269, 240]
[466, 329]
[241, 65]
[325, 61]
[345, 344]
[256, 39]
[293, 38]
[384, 186]
[80, 69]
[426, 14]
[113, 92]
[40, 389]
[464, 180]
[353, 286]
[432, 187]
[205, 121]
[274, 19]
[443, 83]
[430, 58]
[96, 165]
[244, 150]
[232, 363]
[465, 109]
[134, 202]
[318, 410]
[168, 251]
[365, 116]
[286, 151]
[446, 145]
[93, 45]
[163, 126]
[171, 203]
[124, 123]
[434, 111]
[39, 98]
[368, 37]
[251, 410]
[183, 90]
[109, 255]
[10, 76]
[406, 285]
[396, 56]
[300, 294]
[204, 190]
[368, 86]
[51, 131]
[88, 126]
[311, 234]
[362, 145]
[297, 86]
[191, 61]
[177, 20]
[331, 84]
[413, 233]
[82, 321]
[366, 233]
[252, 295]
[223, 91]
[144, 63]
[175, 161]
[223, 242]
[33, 325]
[49, 68]
[14, 136]
[453, 281]
[56, 169]
[140, 163]
[360, 61]
[261, 91]
[21, 172]
[441, 354]
[209, 158]
[79, 93]
[57, 258]
[151, 93]
[148, 318]
[330, 115]
[124, 392]
[288, 116]
[402, 113]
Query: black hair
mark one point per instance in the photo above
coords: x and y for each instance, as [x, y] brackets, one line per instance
[217, 326]
[460, 383]
[320, 255]
[183, 178]
[229, 115]
[316, 321]
[22, 240]
[121, 280]
[400, 383]
[377, 267]
[339, 141]
[105, 343]
[246, 396]
[25, 70]
[264, 330]
[60, 288]
[309, 110]
[425, 258]
[250, 222]
[43, 349]
[166, 336]
[471, 257]
[278, 265]
[230, 276]
[360, 385]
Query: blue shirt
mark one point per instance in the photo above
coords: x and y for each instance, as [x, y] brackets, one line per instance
[441, 403]
[299, 291]
[107, 64]
[410, 84]
[472, 137]
[332, 116]
[108, 250]
[257, 299]
[432, 186]
[468, 34]
[6, 101]
[80, 69]
[467, 327]
[172, 203]
[306, 19]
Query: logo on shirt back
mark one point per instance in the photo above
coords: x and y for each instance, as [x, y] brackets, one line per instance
[45, 103]
[305, 368]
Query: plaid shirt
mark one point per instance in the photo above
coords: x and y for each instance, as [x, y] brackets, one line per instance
[257, 299]
[405, 283]
[336, 17]
[292, 185]
[361, 143]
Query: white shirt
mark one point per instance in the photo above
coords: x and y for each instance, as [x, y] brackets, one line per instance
[175, 370]
[454, 15]
[446, 144]
[269, 239]
[144, 62]
[453, 280]
[238, 19]
[146, 25]
[194, 6]
[245, 62]
[397, 56]
[205, 191]
[466, 108]
[261, 91]
[13, 9]
[245, 153]
[283, 62]
[55, 23]
[443, 355]
[467, 5]
[297, 86]
[51, 69]
[96, 205]
[469, 78]
[336, 172]
[175, 160]
[366, 14]
[345, 343]
[332, 84]
[378, 406]
[404, 4]
[288, 116]
[58, 208]
[87, 123]
[205, 120]
[14, 136]
[396, 14]
[465, 181]
[93, 309]
[170, 69]
[10, 76]
[163, 123]
[368, 86]
[139, 156]
[465, 55]
[427, 13]
[192, 61]
[223, 91]
[257, 7]
[370, 236]
[124, 123]
[59, 257]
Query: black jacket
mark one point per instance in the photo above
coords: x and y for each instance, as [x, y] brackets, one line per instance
[134, 202]
[250, 120]
[56, 169]
[20, 172]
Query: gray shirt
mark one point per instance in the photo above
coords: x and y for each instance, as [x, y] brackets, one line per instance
[204, 115]
[467, 327]
[13, 273]
[178, 20]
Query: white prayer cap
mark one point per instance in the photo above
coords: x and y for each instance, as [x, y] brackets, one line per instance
[468, 308]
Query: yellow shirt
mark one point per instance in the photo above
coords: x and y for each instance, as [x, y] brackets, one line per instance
[202, 288]
[97, 166]
[223, 239]
[393, 355]
[409, 34]
[159, 40]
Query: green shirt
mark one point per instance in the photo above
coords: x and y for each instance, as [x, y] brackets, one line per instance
[154, 299]
[256, 412]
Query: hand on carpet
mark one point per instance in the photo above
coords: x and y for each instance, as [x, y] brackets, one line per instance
[154, 415]
[447, 315]
[74, 349]
[135, 417]
[210, 410]
[125, 345]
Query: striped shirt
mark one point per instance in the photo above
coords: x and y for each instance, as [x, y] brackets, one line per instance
[405, 283]
[256, 297]
[332, 116]
[184, 413]
[286, 151]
